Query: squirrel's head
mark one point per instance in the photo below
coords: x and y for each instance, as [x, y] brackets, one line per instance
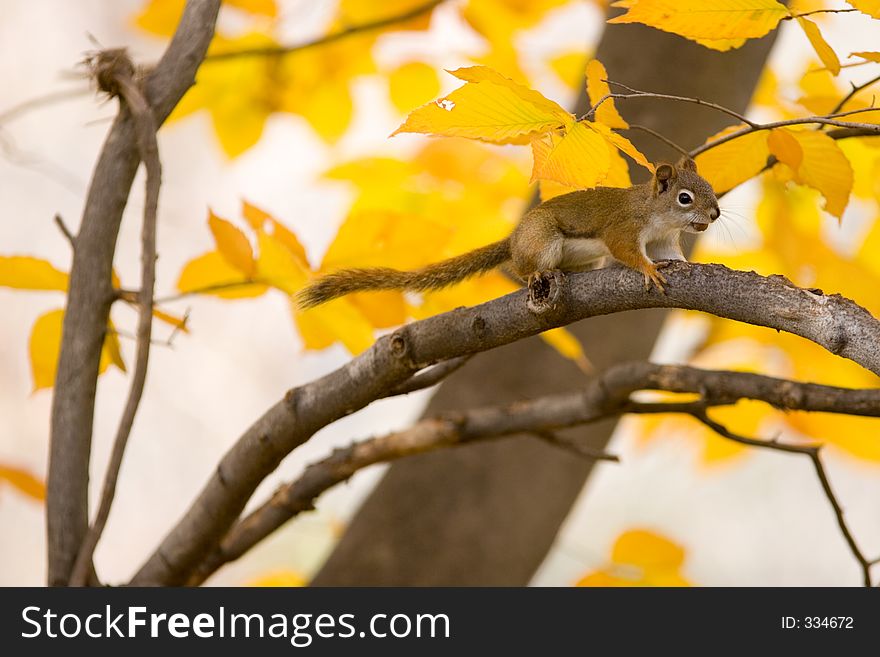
[684, 195]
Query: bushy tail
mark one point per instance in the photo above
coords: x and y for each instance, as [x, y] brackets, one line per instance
[431, 277]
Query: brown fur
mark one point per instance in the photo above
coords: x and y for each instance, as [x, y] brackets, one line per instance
[431, 277]
[568, 232]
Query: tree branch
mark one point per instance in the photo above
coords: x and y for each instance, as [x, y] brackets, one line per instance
[275, 51]
[853, 129]
[855, 89]
[605, 396]
[837, 324]
[811, 452]
[429, 377]
[118, 69]
[91, 293]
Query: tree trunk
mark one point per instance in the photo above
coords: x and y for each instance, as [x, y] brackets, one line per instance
[487, 514]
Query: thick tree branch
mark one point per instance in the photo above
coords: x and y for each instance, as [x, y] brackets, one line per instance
[836, 323]
[117, 71]
[605, 396]
[91, 293]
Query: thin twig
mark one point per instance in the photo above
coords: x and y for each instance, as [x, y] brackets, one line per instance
[817, 11]
[583, 451]
[657, 135]
[275, 51]
[813, 453]
[22, 108]
[855, 89]
[635, 93]
[207, 289]
[832, 119]
[68, 235]
[865, 129]
[429, 377]
[115, 73]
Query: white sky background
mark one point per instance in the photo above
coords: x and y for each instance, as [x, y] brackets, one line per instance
[760, 520]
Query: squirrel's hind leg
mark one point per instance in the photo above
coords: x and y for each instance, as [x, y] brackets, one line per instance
[536, 245]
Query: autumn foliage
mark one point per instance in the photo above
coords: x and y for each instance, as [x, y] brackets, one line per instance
[462, 189]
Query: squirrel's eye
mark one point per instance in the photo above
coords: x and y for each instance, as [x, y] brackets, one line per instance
[685, 198]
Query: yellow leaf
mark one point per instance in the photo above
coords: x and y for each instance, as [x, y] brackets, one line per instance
[721, 45]
[568, 346]
[376, 238]
[160, 17]
[258, 219]
[640, 558]
[26, 273]
[820, 45]
[580, 158]
[111, 352]
[286, 578]
[240, 92]
[278, 267]
[621, 143]
[646, 549]
[735, 161]
[821, 92]
[870, 7]
[549, 189]
[707, 19]
[785, 147]
[23, 481]
[260, 7]
[489, 107]
[335, 321]
[871, 56]
[328, 109]
[45, 345]
[412, 84]
[476, 74]
[597, 88]
[381, 309]
[618, 176]
[618, 172]
[232, 245]
[316, 83]
[468, 293]
[177, 322]
[358, 12]
[824, 167]
[255, 217]
[210, 273]
[569, 67]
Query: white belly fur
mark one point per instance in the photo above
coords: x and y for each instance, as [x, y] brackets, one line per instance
[581, 252]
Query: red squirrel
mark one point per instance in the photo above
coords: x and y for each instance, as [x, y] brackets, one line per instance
[640, 226]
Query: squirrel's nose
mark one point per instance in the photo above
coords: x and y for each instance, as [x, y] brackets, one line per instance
[714, 213]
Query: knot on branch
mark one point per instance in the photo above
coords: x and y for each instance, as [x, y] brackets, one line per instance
[545, 291]
[108, 67]
[400, 349]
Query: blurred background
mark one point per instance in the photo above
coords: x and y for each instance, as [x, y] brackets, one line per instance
[306, 141]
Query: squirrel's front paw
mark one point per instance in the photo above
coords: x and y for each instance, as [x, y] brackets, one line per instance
[652, 275]
[544, 290]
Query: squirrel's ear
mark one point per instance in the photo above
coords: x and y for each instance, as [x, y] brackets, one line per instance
[687, 163]
[664, 174]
